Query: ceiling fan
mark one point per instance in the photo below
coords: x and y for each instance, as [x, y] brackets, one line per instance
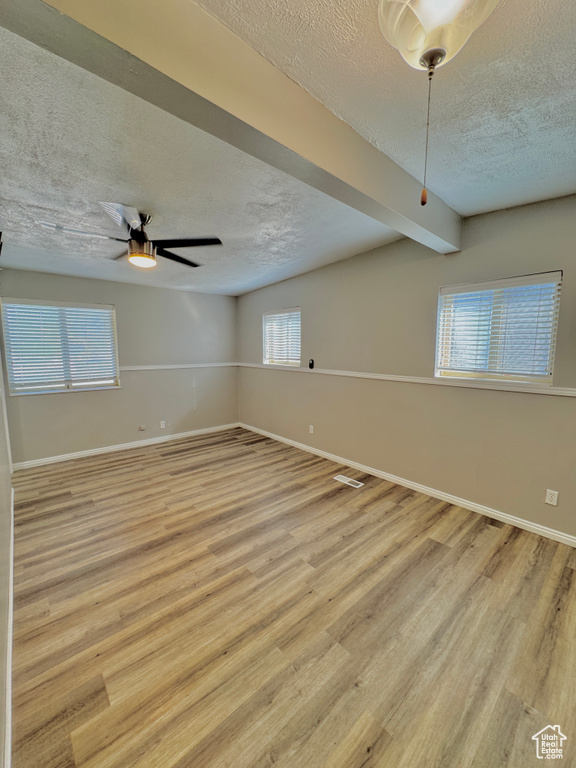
[142, 252]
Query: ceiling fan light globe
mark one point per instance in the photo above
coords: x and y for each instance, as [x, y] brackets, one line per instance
[142, 260]
[415, 27]
[142, 254]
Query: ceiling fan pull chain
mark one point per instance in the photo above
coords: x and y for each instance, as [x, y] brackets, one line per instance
[424, 195]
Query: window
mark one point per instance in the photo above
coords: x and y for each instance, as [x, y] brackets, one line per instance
[53, 347]
[504, 330]
[282, 337]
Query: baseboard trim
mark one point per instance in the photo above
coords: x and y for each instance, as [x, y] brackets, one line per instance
[121, 447]
[7, 757]
[519, 522]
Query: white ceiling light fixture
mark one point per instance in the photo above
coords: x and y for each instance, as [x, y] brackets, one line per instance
[142, 255]
[423, 30]
[428, 33]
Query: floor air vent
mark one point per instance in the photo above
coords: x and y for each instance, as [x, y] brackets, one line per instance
[348, 481]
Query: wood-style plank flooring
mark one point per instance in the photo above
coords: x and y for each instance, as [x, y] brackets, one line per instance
[221, 601]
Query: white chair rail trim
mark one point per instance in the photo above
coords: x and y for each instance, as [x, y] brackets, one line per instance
[532, 389]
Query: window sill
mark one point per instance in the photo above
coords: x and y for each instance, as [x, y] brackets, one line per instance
[62, 391]
[504, 382]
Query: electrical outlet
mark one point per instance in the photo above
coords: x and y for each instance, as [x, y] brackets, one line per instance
[162, 425]
[311, 429]
[551, 497]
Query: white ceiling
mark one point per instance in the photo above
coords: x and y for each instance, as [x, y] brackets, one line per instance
[69, 139]
[503, 111]
[502, 134]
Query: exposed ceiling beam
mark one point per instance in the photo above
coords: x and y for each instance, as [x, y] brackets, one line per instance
[176, 56]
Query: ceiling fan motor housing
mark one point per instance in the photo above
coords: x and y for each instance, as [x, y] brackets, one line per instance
[142, 248]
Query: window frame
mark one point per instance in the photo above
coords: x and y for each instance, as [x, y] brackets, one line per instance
[66, 384]
[276, 312]
[494, 345]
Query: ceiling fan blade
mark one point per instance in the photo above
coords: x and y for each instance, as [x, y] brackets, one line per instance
[123, 215]
[57, 228]
[189, 242]
[174, 257]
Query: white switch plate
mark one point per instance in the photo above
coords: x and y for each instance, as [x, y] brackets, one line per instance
[551, 497]
[311, 429]
[162, 425]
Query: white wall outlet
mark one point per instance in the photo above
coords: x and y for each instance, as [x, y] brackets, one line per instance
[162, 425]
[311, 429]
[551, 497]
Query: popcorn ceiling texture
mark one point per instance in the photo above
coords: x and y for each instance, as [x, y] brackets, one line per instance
[502, 134]
[69, 139]
[503, 111]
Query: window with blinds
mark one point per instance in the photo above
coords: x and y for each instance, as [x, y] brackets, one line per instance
[54, 347]
[281, 331]
[504, 330]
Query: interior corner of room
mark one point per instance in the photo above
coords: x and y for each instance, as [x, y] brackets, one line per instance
[194, 361]
[309, 174]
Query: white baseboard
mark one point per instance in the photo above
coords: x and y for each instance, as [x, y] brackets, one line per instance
[519, 522]
[120, 447]
[7, 756]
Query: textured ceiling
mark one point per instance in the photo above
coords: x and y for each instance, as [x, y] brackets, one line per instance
[503, 111]
[69, 139]
[502, 134]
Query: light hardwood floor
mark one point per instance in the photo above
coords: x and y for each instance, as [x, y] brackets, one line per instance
[221, 601]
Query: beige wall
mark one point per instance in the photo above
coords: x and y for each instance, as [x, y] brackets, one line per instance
[155, 327]
[377, 313]
[5, 565]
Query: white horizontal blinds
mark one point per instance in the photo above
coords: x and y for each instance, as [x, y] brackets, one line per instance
[55, 347]
[282, 337]
[504, 329]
